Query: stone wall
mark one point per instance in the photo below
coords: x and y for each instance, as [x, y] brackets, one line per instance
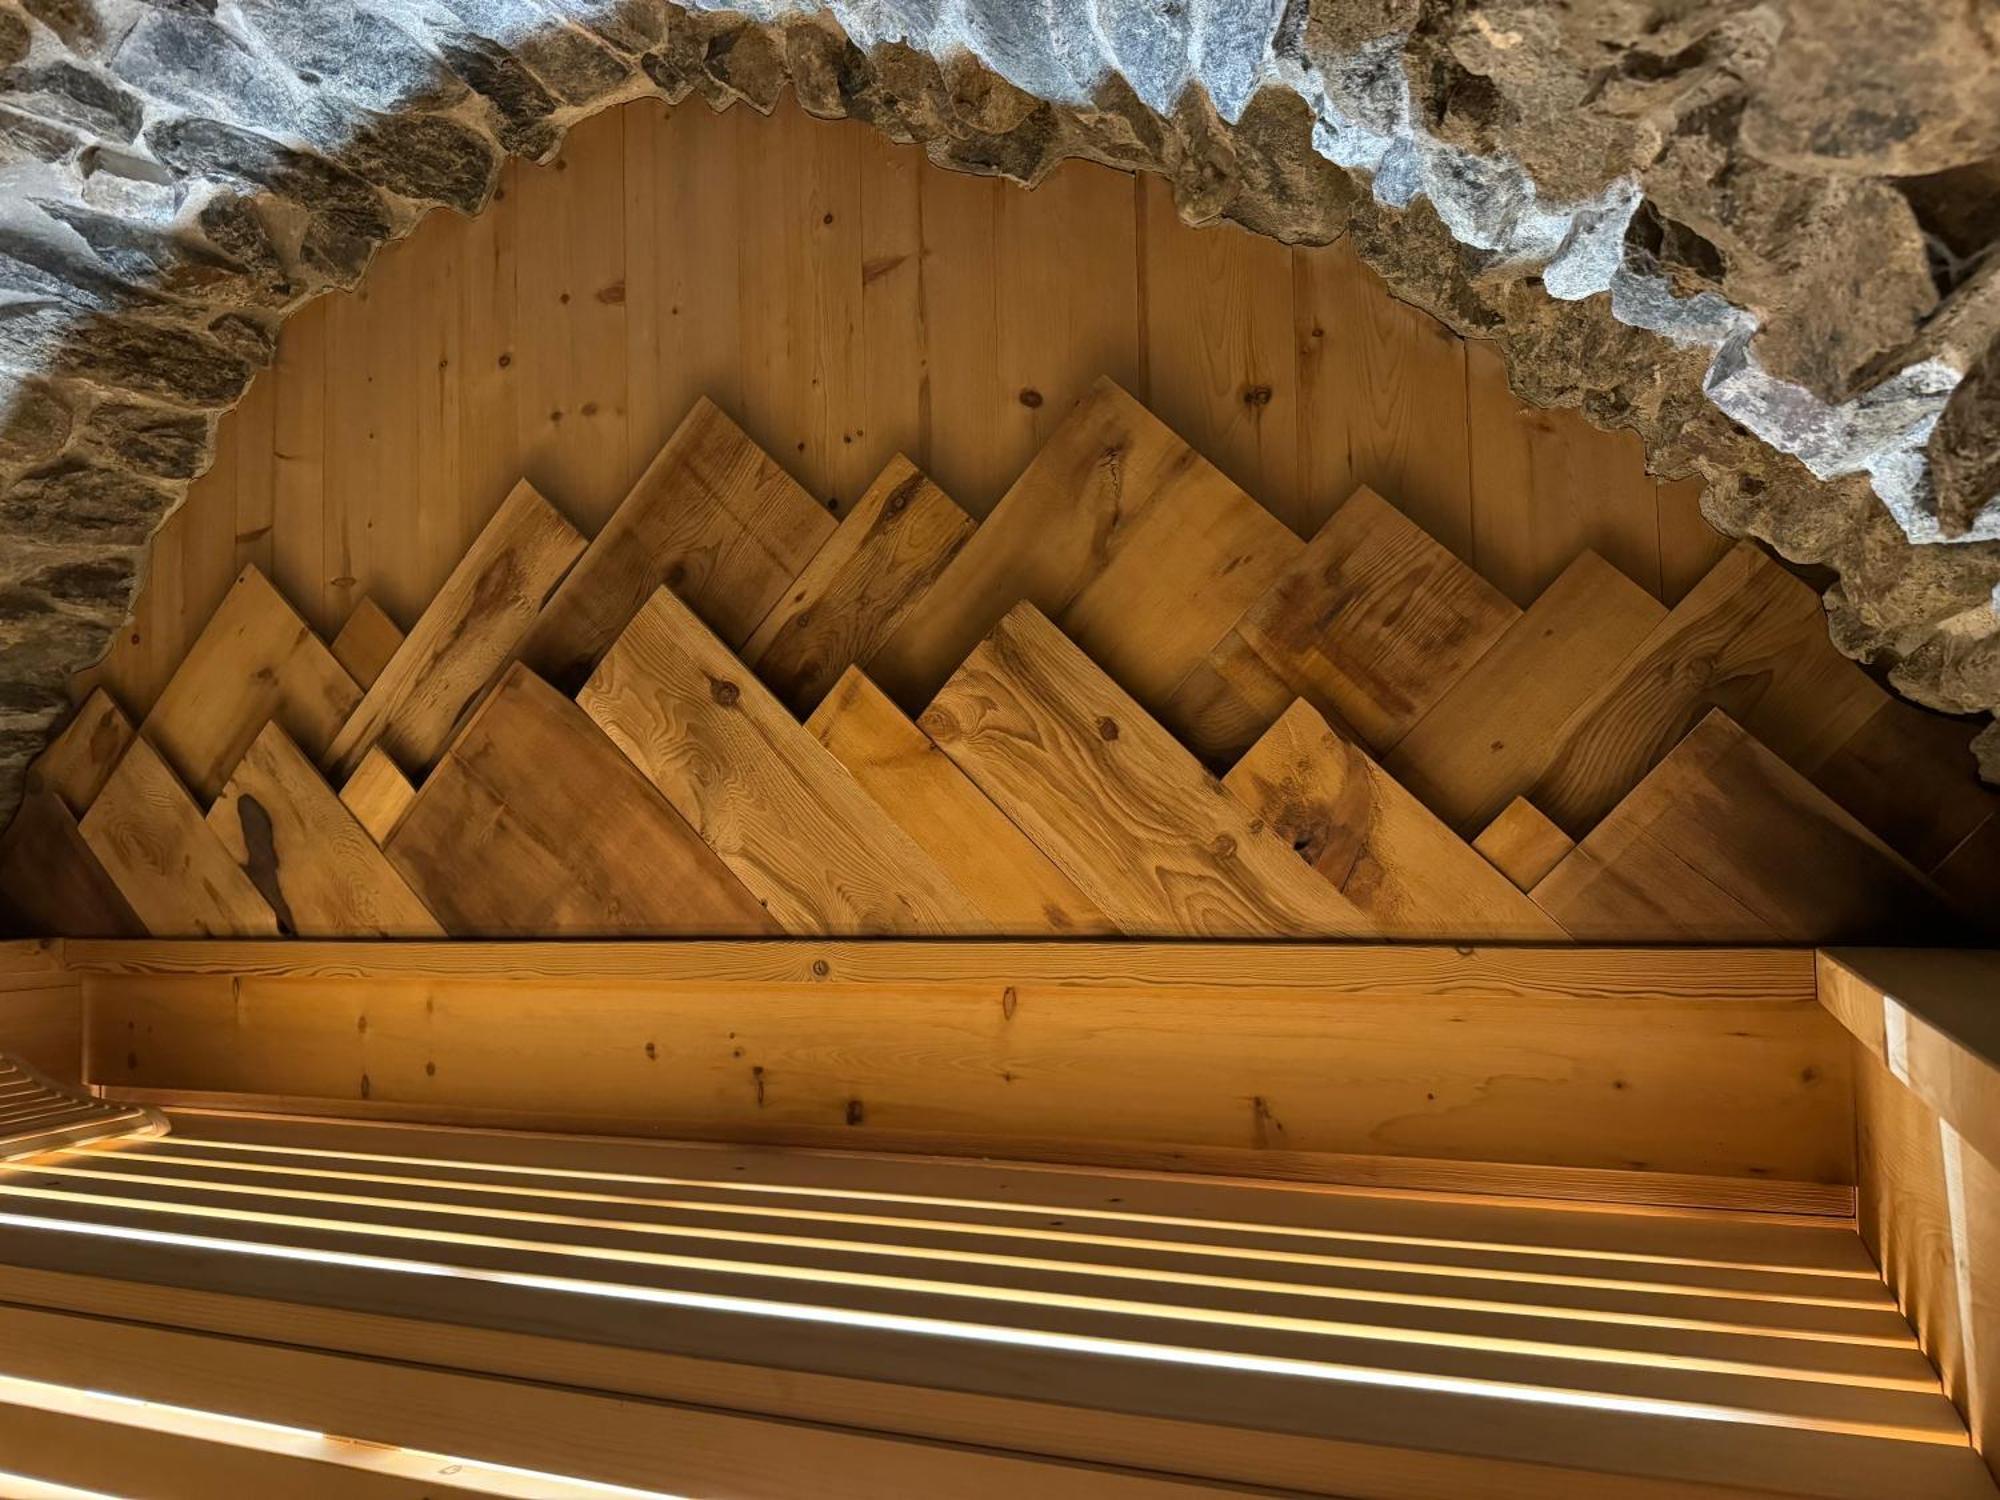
[1758, 234]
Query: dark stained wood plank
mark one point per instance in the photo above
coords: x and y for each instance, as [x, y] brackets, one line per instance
[797, 830]
[1970, 877]
[1019, 889]
[378, 794]
[1490, 735]
[1139, 548]
[148, 834]
[1371, 625]
[365, 642]
[50, 882]
[255, 661]
[1375, 843]
[1522, 844]
[1156, 842]
[1749, 639]
[859, 587]
[80, 759]
[714, 518]
[467, 634]
[535, 824]
[1910, 776]
[313, 862]
[1741, 823]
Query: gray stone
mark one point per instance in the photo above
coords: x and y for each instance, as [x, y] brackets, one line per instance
[159, 441]
[522, 106]
[1964, 448]
[35, 423]
[75, 501]
[169, 363]
[426, 158]
[70, 94]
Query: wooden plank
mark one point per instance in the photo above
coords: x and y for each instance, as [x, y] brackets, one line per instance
[51, 1111]
[80, 759]
[1488, 738]
[51, 882]
[148, 834]
[1523, 844]
[1910, 776]
[1749, 639]
[1740, 822]
[796, 829]
[41, 1009]
[316, 865]
[1375, 843]
[1128, 815]
[1372, 625]
[255, 661]
[535, 824]
[1929, 1016]
[714, 518]
[467, 634]
[859, 587]
[1118, 530]
[378, 794]
[366, 642]
[1970, 876]
[1016, 886]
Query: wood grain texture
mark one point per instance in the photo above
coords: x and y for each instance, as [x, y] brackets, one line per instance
[314, 863]
[51, 882]
[1016, 886]
[871, 573]
[796, 829]
[254, 662]
[378, 794]
[466, 635]
[1722, 825]
[1273, 1054]
[1903, 774]
[366, 642]
[1750, 640]
[1371, 625]
[714, 518]
[1118, 530]
[1375, 843]
[1157, 843]
[148, 834]
[1522, 844]
[80, 759]
[1491, 734]
[534, 822]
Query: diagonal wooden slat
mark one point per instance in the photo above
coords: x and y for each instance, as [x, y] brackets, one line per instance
[535, 824]
[378, 794]
[51, 882]
[714, 518]
[1371, 625]
[1018, 888]
[365, 642]
[1378, 845]
[1157, 843]
[467, 634]
[148, 834]
[80, 759]
[766, 795]
[1522, 844]
[1723, 825]
[311, 859]
[254, 661]
[1142, 550]
[38, 1115]
[867, 578]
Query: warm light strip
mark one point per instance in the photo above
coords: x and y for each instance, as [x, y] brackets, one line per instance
[27, 1487]
[1498, 1247]
[1005, 1295]
[988, 1258]
[1090, 1344]
[300, 1442]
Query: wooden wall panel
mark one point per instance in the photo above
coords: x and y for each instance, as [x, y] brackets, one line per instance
[667, 255]
[41, 1010]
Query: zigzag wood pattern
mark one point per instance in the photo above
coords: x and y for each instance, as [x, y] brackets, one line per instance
[1432, 710]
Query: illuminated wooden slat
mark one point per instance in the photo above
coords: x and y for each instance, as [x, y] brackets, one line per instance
[39, 1115]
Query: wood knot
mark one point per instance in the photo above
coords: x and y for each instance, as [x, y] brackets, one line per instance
[1030, 397]
[1256, 395]
[723, 692]
[821, 968]
[854, 1112]
[1107, 728]
[1224, 845]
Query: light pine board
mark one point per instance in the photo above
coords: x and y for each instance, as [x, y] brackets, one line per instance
[1019, 889]
[378, 794]
[469, 631]
[1522, 844]
[871, 573]
[80, 759]
[713, 518]
[781, 811]
[50, 881]
[365, 643]
[1380, 847]
[1491, 734]
[1126, 813]
[1140, 549]
[534, 822]
[314, 863]
[255, 661]
[148, 834]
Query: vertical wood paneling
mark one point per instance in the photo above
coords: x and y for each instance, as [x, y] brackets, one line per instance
[666, 255]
